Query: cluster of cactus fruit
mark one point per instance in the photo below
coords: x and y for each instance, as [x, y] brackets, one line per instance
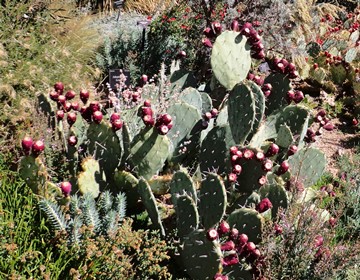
[226, 168]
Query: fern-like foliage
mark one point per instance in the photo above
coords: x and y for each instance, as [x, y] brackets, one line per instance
[74, 230]
[90, 214]
[120, 202]
[105, 203]
[54, 214]
[75, 205]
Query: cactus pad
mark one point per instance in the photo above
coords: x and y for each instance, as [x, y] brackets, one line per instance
[267, 130]
[192, 97]
[127, 183]
[187, 215]
[277, 195]
[160, 185]
[34, 173]
[88, 179]
[180, 184]
[284, 138]
[230, 58]
[182, 79]
[280, 86]
[213, 200]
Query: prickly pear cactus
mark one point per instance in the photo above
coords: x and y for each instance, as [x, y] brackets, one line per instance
[126, 182]
[280, 86]
[181, 184]
[89, 178]
[277, 195]
[230, 58]
[187, 216]
[192, 97]
[284, 138]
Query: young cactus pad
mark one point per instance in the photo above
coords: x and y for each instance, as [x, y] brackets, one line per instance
[277, 195]
[187, 215]
[181, 184]
[192, 97]
[230, 58]
[33, 172]
[88, 179]
[200, 256]
[213, 200]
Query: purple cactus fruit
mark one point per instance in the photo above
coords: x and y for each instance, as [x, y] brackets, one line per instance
[135, 96]
[204, 124]
[26, 143]
[230, 260]
[260, 156]
[272, 150]
[60, 115]
[262, 180]
[84, 95]
[75, 106]
[257, 46]
[237, 169]
[59, 87]
[263, 205]
[250, 247]
[208, 32]
[278, 229]
[299, 96]
[292, 150]
[114, 117]
[181, 54]
[254, 39]
[94, 106]
[235, 25]
[259, 54]
[332, 221]
[72, 141]
[67, 106]
[71, 118]
[54, 95]
[206, 42]
[319, 240]
[232, 177]
[329, 126]
[284, 62]
[318, 118]
[234, 160]
[207, 116]
[148, 120]
[246, 29]
[291, 67]
[234, 234]
[144, 78]
[227, 246]
[117, 124]
[223, 228]
[214, 112]
[146, 111]
[310, 132]
[65, 188]
[239, 154]
[212, 234]
[163, 129]
[250, 76]
[258, 80]
[233, 150]
[165, 119]
[217, 27]
[293, 75]
[267, 165]
[283, 168]
[147, 103]
[267, 93]
[256, 253]
[266, 87]
[70, 95]
[248, 154]
[219, 276]
[97, 117]
[243, 239]
[280, 67]
[38, 147]
[290, 96]
[61, 99]
[321, 113]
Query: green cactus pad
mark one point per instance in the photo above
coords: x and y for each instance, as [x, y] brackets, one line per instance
[294, 117]
[34, 173]
[351, 55]
[213, 200]
[89, 178]
[259, 108]
[127, 183]
[284, 138]
[104, 145]
[230, 58]
[223, 119]
[192, 97]
[126, 141]
[200, 256]
[206, 102]
[247, 221]
[313, 49]
[318, 75]
[148, 152]
[149, 201]
[267, 130]
[180, 184]
[238, 272]
[338, 74]
[214, 153]
[182, 79]
[78, 129]
[187, 215]
[280, 86]
[277, 195]
[307, 166]
[241, 112]
[160, 185]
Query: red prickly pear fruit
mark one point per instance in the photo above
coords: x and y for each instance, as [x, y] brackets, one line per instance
[256, 253]
[243, 239]
[254, 37]
[70, 95]
[147, 103]
[291, 67]
[97, 117]
[267, 93]
[329, 126]
[223, 228]
[208, 32]
[67, 106]
[214, 112]
[239, 154]
[321, 113]
[310, 132]
[232, 177]
[71, 118]
[75, 106]
[248, 154]
[233, 150]
[262, 180]
[72, 140]
[319, 240]
[235, 25]
[117, 124]
[283, 168]
[181, 54]
[217, 27]
[260, 156]
[54, 95]
[354, 122]
[264, 205]
[257, 46]
[206, 42]
[250, 247]
[165, 119]
[315, 66]
[170, 125]
[284, 62]
[259, 55]
[280, 67]
[299, 96]
[212, 234]
[266, 87]
[234, 234]
[332, 221]
[267, 165]
[114, 117]
[144, 78]
[292, 150]
[59, 87]
[278, 229]
[246, 29]
[148, 120]
[135, 97]
[38, 147]
[290, 96]
[227, 246]
[94, 106]
[61, 99]
[207, 116]
[26, 143]
[60, 115]
[65, 188]
[163, 129]
[237, 169]
[250, 76]
[272, 150]
[234, 160]
[146, 111]
[219, 276]
[230, 260]
[293, 75]
[318, 119]
[258, 80]
[84, 95]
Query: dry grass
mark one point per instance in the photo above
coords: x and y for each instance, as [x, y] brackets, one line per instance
[148, 7]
